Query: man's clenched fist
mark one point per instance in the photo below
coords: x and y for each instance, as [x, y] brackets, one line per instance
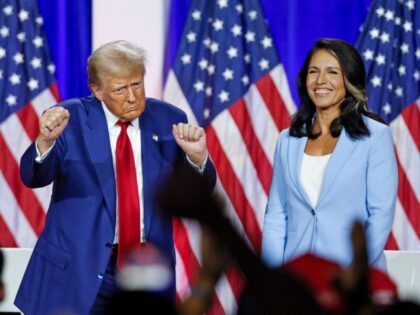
[51, 124]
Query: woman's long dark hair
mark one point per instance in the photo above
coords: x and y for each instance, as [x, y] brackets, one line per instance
[354, 105]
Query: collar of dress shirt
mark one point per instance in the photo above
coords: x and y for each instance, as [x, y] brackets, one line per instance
[111, 119]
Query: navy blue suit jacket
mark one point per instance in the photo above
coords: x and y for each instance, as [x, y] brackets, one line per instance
[72, 253]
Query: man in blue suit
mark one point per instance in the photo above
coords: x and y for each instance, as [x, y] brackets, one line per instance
[73, 263]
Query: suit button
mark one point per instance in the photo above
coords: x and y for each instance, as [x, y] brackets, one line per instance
[109, 245]
[313, 211]
[100, 275]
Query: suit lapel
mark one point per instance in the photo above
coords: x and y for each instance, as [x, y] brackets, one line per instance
[296, 148]
[95, 133]
[150, 164]
[342, 152]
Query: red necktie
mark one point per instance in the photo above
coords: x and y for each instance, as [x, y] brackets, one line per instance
[128, 196]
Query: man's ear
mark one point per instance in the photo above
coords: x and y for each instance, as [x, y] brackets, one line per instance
[96, 90]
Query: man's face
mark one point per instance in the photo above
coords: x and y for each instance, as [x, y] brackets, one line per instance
[123, 95]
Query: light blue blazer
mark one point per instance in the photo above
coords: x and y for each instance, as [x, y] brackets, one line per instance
[360, 183]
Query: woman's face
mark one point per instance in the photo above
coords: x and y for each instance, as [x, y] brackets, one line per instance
[325, 81]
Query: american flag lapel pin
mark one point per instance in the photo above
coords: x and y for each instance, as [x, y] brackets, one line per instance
[155, 137]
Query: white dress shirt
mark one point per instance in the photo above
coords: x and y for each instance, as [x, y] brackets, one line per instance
[133, 132]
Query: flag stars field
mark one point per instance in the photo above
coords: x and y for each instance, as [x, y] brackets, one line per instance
[191, 37]
[401, 70]
[376, 81]
[23, 15]
[4, 31]
[11, 100]
[2, 53]
[18, 58]
[33, 84]
[8, 10]
[51, 68]
[21, 37]
[267, 42]
[15, 79]
[236, 30]
[218, 25]
[368, 54]
[38, 42]
[228, 74]
[36, 63]
[250, 36]
[387, 109]
[239, 8]
[380, 59]
[232, 52]
[196, 15]
[224, 96]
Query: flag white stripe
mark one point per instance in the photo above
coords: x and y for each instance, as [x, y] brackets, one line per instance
[15, 136]
[18, 145]
[14, 218]
[231, 213]
[403, 231]
[262, 122]
[174, 95]
[194, 236]
[42, 101]
[231, 141]
[182, 285]
[225, 294]
[280, 80]
[408, 155]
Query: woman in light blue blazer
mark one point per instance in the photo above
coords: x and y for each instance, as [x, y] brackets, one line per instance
[335, 164]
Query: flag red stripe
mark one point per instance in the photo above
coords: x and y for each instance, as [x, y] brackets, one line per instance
[391, 244]
[191, 264]
[236, 280]
[216, 307]
[408, 200]
[25, 197]
[30, 121]
[273, 101]
[411, 116]
[6, 237]
[240, 115]
[55, 92]
[183, 246]
[234, 189]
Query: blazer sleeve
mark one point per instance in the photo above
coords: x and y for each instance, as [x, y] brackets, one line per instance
[382, 185]
[275, 219]
[35, 175]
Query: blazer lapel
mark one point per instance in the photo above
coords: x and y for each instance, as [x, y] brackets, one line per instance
[296, 148]
[150, 164]
[342, 152]
[95, 133]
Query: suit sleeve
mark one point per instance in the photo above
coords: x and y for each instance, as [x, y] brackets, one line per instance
[382, 185]
[209, 171]
[275, 219]
[35, 175]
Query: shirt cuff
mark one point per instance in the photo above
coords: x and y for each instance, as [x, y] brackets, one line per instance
[41, 157]
[199, 169]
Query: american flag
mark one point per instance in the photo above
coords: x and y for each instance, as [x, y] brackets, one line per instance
[390, 46]
[27, 88]
[229, 79]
